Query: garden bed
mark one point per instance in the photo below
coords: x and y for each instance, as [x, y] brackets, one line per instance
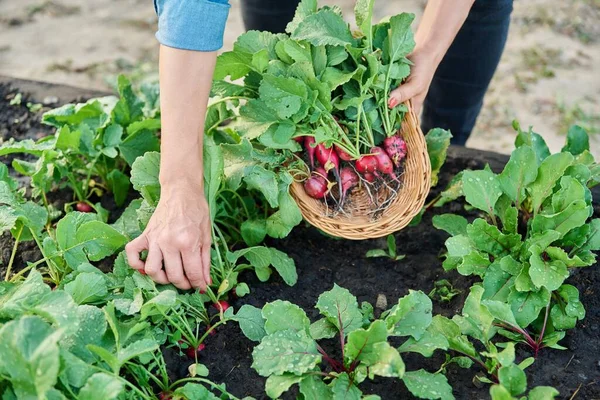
[323, 261]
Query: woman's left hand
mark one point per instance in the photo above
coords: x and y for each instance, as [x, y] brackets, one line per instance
[417, 85]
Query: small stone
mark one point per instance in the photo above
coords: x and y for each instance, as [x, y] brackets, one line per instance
[381, 302]
[49, 100]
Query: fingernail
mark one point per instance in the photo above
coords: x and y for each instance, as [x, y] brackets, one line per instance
[201, 291]
[142, 272]
[393, 102]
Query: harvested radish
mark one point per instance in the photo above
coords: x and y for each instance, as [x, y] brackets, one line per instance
[384, 163]
[366, 164]
[328, 158]
[315, 187]
[299, 139]
[349, 180]
[369, 177]
[83, 207]
[330, 161]
[310, 150]
[193, 353]
[221, 305]
[342, 153]
[320, 172]
[395, 147]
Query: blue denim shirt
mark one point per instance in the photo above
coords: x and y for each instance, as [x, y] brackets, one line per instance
[192, 24]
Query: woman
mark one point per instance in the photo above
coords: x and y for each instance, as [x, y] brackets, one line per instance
[458, 46]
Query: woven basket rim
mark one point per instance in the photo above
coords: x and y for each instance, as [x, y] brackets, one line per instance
[399, 213]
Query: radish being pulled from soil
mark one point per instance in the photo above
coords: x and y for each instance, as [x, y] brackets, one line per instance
[395, 147]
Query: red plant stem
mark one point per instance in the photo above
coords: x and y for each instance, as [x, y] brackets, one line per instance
[334, 363]
[541, 338]
[532, 343]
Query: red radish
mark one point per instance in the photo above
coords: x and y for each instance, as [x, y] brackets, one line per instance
[384, 163]
[299, 139]
[164, 396]
[193, 353]
[366, 164]
[349, 180]
[369, 177]
[328, 158]
[315, 187]
[210, 331]
[320, 172]
[310, 150]
[221, 305]
[395, 147]
[342, 153]
[83, 207]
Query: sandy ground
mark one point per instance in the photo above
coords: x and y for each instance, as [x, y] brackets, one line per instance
[548, 77]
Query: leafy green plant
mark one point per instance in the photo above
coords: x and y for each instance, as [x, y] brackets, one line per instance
[391, 252]
[295, 82]
[477, 323]
[248, 201]
[94, 144]
[289, 352]
[535, 227]
[75, 239]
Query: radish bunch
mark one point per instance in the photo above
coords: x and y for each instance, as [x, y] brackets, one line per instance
[346, 171]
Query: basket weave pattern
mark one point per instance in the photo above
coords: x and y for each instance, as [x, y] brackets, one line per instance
[361, 223]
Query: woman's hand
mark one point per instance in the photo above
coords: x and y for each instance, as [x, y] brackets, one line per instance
[439, 25]
[417, 85]
[177, 237]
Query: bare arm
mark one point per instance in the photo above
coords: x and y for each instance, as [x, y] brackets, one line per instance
[178, 234]
[441, 21]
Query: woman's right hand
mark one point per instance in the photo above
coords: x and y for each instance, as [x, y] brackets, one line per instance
[178, 240]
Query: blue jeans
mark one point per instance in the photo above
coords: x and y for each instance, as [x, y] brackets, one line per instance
[456, 93]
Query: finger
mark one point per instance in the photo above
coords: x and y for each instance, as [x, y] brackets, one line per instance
[192, 265]
[154, 264]
[174, 269]
[404, 92]
[206, 263]
[133, 250]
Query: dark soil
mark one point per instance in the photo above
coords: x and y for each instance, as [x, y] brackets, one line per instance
[322, 261]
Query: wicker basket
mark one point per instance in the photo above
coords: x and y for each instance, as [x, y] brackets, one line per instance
[361, 224]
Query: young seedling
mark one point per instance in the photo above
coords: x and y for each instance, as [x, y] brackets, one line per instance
[390, 253]
[443, 291]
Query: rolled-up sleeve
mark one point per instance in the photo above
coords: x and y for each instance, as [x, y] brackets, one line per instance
[192, 24]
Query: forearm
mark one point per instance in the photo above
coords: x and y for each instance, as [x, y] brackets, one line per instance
[185, 81]
[441, 21]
